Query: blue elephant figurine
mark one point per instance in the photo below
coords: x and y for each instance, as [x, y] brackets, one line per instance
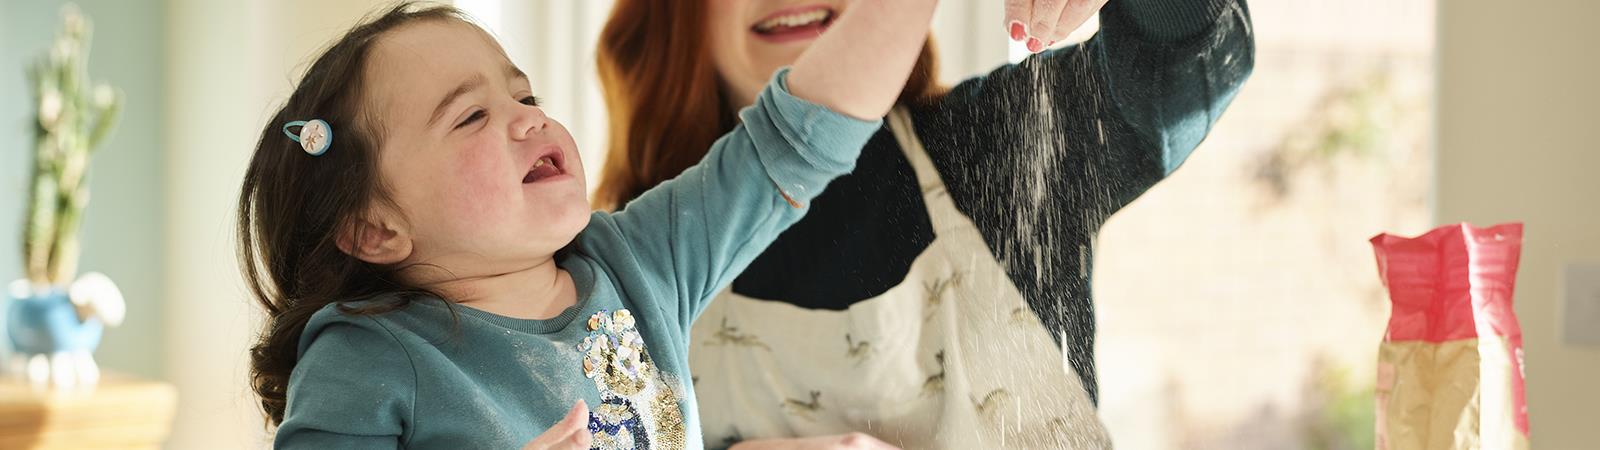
[54, 331]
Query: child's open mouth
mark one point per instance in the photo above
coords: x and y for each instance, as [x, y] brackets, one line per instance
[794, 24]
[548, 165]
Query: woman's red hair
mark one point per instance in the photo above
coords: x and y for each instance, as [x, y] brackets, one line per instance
[664, 98]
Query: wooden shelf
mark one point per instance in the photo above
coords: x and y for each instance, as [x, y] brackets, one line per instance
[122, 412]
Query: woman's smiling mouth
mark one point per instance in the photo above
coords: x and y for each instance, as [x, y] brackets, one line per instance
[794, 24]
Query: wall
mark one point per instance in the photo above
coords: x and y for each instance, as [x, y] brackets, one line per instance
[1516, 114]
[121, 231]
[211, 79]
[230, 64]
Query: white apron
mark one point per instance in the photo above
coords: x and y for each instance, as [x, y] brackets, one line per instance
[951, 358]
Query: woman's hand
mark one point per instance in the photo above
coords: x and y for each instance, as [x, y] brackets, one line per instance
[1041, 23]
[571, 433]
[852, 441]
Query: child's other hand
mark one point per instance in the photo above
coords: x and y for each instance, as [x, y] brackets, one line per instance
[571, 433]
[1041, 23]
[852, 441]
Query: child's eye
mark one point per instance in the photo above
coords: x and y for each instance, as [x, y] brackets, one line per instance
[530, 100]
[476, 115]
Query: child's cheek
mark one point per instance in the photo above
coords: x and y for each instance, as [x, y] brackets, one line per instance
[484, 191]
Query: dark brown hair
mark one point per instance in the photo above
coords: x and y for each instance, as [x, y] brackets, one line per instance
[664, 98]
[293, 206]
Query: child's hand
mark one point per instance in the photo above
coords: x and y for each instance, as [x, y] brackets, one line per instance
[852, 441]
[571, 433]
[1041, 23]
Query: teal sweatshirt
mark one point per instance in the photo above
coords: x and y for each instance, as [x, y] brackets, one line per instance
[433, 375]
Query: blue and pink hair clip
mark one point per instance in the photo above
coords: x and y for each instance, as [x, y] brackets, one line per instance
[314, 137]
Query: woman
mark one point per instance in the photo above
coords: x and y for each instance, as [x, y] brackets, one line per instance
[939, 295]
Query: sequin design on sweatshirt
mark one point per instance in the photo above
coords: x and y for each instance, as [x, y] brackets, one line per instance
[639, 404]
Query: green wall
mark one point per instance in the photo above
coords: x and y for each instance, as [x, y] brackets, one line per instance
[122, 229]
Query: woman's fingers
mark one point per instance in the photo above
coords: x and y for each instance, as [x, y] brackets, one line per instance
[1042, 25]
[1018, 14]
[572, 432]
[1073, 16]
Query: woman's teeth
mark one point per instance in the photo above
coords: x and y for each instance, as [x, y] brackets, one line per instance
[793, 20]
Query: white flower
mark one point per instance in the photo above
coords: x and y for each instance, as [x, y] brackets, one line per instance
[72, 20]
[104, 95]
[49, 108]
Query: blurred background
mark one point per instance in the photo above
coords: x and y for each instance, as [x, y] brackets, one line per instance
[1238, 301]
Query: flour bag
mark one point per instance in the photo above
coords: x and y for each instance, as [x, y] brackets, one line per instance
[1450, 365]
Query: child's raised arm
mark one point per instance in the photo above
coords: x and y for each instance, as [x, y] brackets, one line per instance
[861, 64]
[696, 232]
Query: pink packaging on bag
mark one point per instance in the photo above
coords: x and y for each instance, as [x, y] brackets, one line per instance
[1450, 366]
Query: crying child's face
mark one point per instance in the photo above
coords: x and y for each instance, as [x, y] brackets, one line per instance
[485, 181]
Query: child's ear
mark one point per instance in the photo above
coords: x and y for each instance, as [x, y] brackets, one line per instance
[377, 237]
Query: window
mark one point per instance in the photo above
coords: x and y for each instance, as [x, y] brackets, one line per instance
[1239, 304]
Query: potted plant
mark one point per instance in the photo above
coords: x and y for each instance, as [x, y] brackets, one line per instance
[54, 317]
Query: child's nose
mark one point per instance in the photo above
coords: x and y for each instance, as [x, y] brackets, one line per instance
[528, 121]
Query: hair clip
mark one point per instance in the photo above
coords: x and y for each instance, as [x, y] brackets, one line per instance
[315, 135]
